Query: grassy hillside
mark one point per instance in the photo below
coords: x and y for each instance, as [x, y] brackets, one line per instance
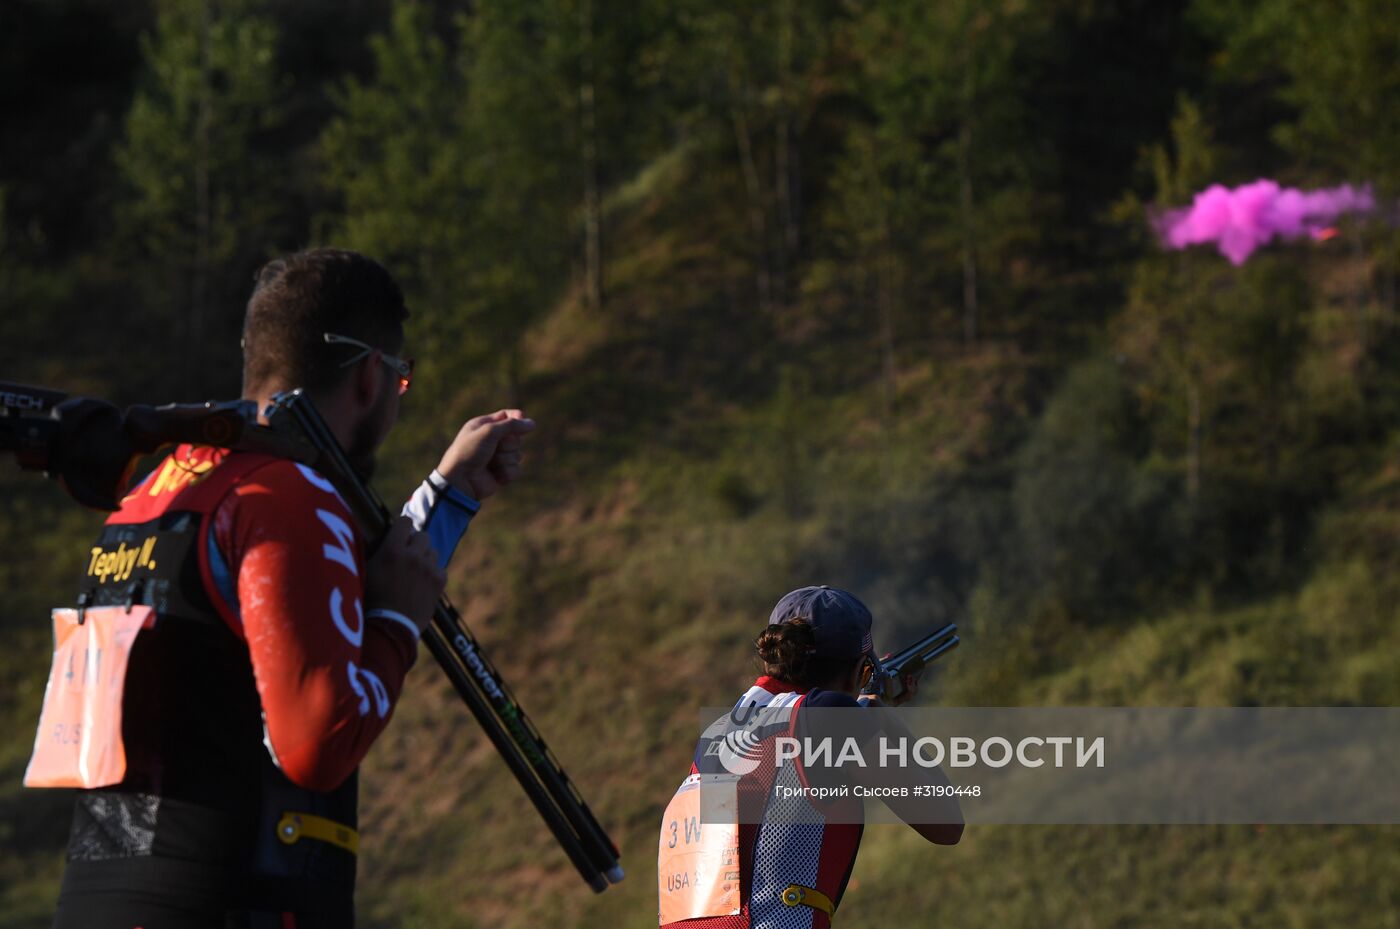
[695, 460]
[620, 590]
[643, 613]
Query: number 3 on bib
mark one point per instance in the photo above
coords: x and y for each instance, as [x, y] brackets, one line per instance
[697, 862]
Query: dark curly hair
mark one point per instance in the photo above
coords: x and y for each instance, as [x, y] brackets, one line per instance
[788, 652]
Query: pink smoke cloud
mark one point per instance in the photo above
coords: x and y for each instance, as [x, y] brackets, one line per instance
[1241, 220]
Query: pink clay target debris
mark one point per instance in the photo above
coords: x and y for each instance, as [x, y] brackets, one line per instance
[1242, 219]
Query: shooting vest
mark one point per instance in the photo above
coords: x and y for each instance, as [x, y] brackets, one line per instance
[202, 804]
[793, 865]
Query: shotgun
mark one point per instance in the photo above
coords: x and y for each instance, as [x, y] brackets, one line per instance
[884, 680]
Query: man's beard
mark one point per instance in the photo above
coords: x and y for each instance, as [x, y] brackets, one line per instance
[364, 442]
[368, 434]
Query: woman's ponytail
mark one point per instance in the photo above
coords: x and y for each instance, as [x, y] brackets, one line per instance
[786, 649]
[788, 652]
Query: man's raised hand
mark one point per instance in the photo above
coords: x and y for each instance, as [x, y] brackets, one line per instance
[485, 455]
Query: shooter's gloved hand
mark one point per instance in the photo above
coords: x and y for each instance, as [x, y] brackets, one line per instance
[485, 456]
[403, 575]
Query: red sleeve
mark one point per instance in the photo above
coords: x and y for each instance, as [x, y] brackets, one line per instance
[328, 680]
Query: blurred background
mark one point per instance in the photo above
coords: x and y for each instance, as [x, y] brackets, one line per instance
[857, 292]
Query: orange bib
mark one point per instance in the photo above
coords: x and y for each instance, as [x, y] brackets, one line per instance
[698, 863]
[79, 742]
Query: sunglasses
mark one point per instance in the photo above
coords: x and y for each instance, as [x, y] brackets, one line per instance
[403, 367]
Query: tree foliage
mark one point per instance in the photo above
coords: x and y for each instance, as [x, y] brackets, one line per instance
[203, 205]
[663, 212]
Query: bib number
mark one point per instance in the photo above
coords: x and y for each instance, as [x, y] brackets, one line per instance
[698, 863]
[79, 742]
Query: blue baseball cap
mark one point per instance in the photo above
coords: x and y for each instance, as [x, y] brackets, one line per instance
[840, 622]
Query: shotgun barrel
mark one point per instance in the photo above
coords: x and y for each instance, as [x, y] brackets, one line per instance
[912, 660]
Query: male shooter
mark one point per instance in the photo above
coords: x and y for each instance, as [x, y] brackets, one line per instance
[278, 649]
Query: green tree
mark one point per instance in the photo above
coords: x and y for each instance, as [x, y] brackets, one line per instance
[463, 170]
[1333, 64]
[936, 195]
[1098, 528]
[204, 184]
[1176, 300]
[1215, 353]
[521, 123]
[748, 80]
[397, 158]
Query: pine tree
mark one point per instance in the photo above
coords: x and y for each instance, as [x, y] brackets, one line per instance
[936, 187]
[1333, 67]
[459, 170]
[396, 156]
[521, 123]
[1212, 347]
[204, 203]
